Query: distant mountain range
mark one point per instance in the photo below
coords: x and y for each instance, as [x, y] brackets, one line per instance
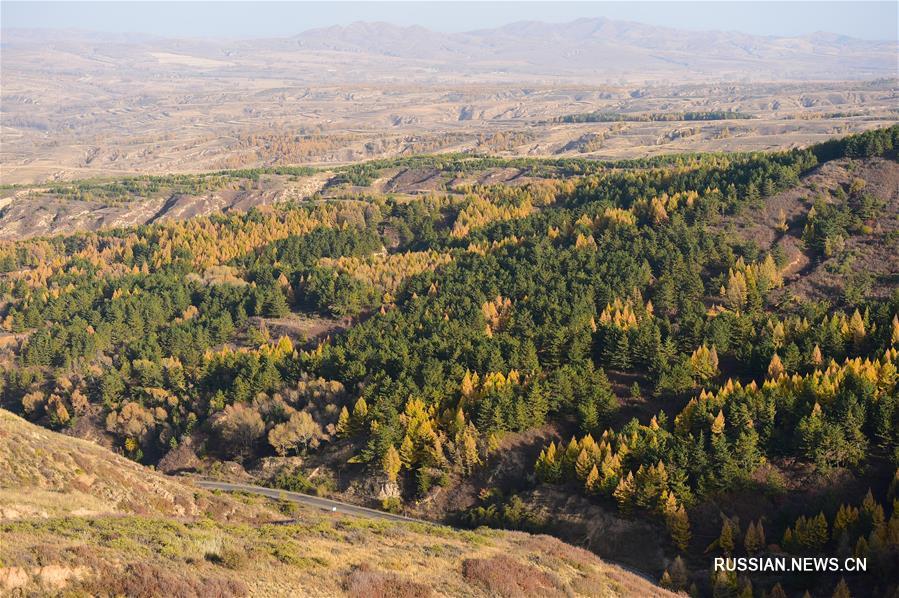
[605, 47]
[593, 50]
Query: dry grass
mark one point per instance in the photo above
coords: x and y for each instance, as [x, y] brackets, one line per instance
[503, 576]
[224, 546]
[366, 582]
[807, 275]
[68, 476]
[143, 579]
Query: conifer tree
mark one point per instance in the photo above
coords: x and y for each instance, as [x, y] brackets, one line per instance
[737, 290]
[360, 416]
[845, 517]
[343, 423]
[782, 221]
[811, 532]
[470, 457]
[592, 484]
[718, 423]
[537, 404]
[857, 329]
[583, 465]
[842, 590]
[705, 362]
[752, 541]
[819, 534]
[569, 458]
[624, 493]
[548, 467]
[817, 358]
[665, 581]
[679, 527]
[726, 538]
[391, 463]
[776, 367]
[679, 574]
[274, 304]
[787, 540]
[407, 452]
[861, 548]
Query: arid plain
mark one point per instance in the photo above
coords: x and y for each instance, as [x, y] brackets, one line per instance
[80, 105]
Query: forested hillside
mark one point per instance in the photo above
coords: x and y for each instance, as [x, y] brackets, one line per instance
[90, 523]
[676, 359]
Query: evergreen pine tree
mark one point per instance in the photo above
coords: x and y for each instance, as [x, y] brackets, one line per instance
[274, 304]
[538, 406]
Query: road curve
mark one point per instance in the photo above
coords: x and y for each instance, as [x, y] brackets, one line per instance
[325, 504]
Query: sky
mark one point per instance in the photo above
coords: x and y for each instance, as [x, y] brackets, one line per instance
[866, 20]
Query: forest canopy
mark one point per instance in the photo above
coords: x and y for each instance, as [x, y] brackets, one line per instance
[467, 317]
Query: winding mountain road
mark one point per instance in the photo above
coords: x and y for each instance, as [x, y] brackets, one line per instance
[336, 506]
[325, 504]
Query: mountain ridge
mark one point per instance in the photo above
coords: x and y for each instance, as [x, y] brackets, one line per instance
[581, 48]
[626, 41]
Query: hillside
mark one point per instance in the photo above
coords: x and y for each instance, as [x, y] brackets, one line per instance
[866, 260]
[40, 210]
[662, 360]
[77, 518]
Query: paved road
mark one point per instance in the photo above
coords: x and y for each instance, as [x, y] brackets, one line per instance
[336, 506]
[325, 504]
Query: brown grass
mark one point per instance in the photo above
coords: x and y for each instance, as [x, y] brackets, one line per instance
[503, 576]
[144, 579]
[364, 581]
[91, 538]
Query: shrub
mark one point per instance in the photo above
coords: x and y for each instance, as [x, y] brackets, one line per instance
[503, 576]
[143, 579]
[391, 504]
[364, 581]
[226, 556]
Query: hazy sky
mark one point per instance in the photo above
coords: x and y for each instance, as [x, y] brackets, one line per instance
[867, 20]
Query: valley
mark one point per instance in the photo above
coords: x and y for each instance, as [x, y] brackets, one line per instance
[550, 345]
[336, 97]
[574, 307]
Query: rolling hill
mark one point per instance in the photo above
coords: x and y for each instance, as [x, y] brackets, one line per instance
[79, 104]
[76, 518]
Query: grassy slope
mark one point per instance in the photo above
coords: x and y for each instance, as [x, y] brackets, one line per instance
[817, 277]
[76, 517]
